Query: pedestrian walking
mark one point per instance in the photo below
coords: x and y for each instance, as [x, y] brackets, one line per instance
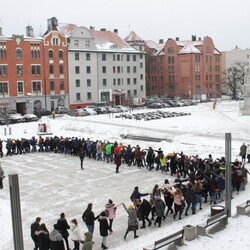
[81, 156]
[75, 234]
[88, 218]
[63, 227]
[243, 152]
[110, 210]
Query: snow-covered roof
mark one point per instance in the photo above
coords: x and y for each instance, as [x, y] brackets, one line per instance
[157, 47]
[188, 49]
[66, 28]
[132, 36]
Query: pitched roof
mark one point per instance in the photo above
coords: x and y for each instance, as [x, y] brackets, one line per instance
[66, 28]
[132, 36]
[156, 47]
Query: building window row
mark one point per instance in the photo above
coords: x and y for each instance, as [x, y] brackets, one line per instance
[35, 70]
[3, 53]
[3, 70]
[35, 53]
[51, 54]
[4, 88]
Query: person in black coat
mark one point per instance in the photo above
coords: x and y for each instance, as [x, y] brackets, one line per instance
[56, 239]
[190, 198]
[136, 194]
[33, 229]
[144, 209]
[104, 228]
[63, 228]
[88, 218]
[43, 238]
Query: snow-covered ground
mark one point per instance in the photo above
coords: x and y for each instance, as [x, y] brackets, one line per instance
[53, 183]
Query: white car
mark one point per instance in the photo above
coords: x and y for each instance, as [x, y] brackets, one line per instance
[122, 108]
[30, 118]
[90, 111]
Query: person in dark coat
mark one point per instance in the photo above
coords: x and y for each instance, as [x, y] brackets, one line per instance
[144, 209]
[63, 227]
[56, 239]
[81, 156]
[33, 229]
[190, 198]
[104, 228]
[118, 161]
[88, 218]
[136, 194]
[243, 152]
[159, 210]
[43, 237]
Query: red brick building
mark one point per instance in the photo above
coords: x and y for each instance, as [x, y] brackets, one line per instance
[34, 70]
[183, 68]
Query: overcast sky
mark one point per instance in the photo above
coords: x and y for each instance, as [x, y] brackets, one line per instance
[225, 21]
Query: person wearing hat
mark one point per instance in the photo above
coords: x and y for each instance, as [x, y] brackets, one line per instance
[132, 220]
[56, 239]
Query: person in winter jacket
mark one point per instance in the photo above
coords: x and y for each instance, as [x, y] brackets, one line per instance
[159, 210]
[132, 220]
[144, 209]
[190, 198]
[1, 176]
[43, 237]
[88, 218]
[81, 156]
[33, 229]
[168, 197]
[178, 199]
[104, 228]
[110, 210]
[136, 194]
[198, 189]
[221, 185]
[56, 239]
[63, 227]
[243, 152]
[87, 243]
[75, 234]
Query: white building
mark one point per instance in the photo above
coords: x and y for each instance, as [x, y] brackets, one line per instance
[102, 67]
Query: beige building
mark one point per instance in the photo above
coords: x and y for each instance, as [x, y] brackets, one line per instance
[102, 67]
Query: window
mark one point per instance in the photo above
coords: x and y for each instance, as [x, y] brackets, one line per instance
[20, 88]
[171, 89]
[88, 82]
[76, 43]
[134, 80]
[76, 56]
[18, 54]
[134, 69]
[104, 82]
[61, 85]
[77, 82]
[141, 87]
[19, 69]
[141, 65]
[103, 69]
[4, 88]
[52, 86]
[128, 69]
[55, 41]
[51, 69]
[114, 81]
[141, 76]
[128, 81]
[135, 92]
[61, 70]
[128, 58]
[134, 58]
[3, 53]
[78, 96]
[103, 57]
[60, 54]
[88, 69]
[77, 69]
[50, 54]
[87, 43]
[118, 81]
[128, 93]
[36, 70]
[118, 57]
[113, 69]
[3, 70]
[197, 87]
[217, 87]
[88, 56]
[36, 87]
[113, 57]
[118, 69]
[89, 97]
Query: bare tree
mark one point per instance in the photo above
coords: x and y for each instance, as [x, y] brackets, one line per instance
[235, 77]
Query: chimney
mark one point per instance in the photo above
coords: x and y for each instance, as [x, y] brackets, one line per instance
[193, 38]
[29, 31]
[103, 29]
[116, 31]
[92, 28]
[199, 38]
[52, 23]
[177, 38]
[161, 41]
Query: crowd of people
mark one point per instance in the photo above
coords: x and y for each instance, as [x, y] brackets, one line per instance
[196, 181]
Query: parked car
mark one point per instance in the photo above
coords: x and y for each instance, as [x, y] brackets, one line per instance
[100, 110]
[90, 111]
[61, 110]
[112, 110]
[155, 105]
[78, 112]
[121, 108]
[16, 118]
[41, 112]
[3, 121]
[30, 118]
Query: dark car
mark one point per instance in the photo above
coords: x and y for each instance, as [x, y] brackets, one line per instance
[41, 112]
[155, 105]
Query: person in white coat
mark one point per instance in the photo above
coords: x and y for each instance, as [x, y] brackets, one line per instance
[75, 234]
